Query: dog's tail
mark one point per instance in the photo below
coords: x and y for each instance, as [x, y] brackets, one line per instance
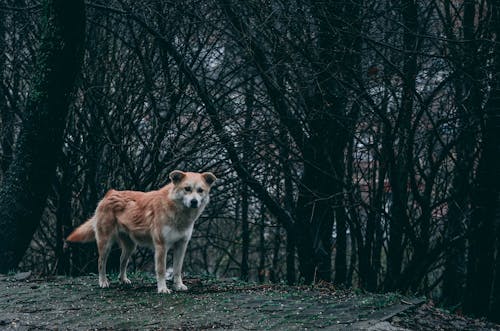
[83, 233]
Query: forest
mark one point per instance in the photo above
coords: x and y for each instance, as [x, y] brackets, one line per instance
[355, 142]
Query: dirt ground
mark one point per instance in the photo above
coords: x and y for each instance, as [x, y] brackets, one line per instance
[78, 303]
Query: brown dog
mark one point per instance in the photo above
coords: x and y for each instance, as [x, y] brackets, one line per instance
[161, 219]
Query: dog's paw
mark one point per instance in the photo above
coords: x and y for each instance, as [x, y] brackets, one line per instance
[165, 290]
[125, 281]
[104, 283]
[180, 287]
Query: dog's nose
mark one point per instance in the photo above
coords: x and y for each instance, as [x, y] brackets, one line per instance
[194, 203]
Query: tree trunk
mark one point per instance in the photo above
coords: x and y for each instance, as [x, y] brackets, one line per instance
[485, 198]
[315, 220]
[455, 264]
[274, 276]
[6, 114]
[247, 137]
[494, 313]
[25, 187]
[341, 244]
[331, 121]
[399, 167]
[289, 205]
[63, 220]
[468, 102]
[245, 233]
[262, 248]
[484, 204]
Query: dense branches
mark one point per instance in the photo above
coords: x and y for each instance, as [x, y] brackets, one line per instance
[357, 138]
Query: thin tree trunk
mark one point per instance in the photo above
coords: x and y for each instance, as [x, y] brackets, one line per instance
[290, 260]
[245, 234]
[262, 248]
[352, 260]
[399, 167]
[341, 244]
[25, 188]
[247, 137]
[289, 205]
[274, 274]
[63, 221]
[454, 267]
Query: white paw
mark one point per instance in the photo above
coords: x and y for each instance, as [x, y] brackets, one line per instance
[103, 283]
[180, 287]
[164, 290]
[125, 280]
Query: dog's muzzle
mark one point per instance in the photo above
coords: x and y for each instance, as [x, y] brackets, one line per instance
[193, 203]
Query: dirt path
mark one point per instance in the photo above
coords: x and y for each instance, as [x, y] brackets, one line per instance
[77, 303]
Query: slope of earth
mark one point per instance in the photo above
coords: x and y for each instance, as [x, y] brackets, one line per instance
[78, 303]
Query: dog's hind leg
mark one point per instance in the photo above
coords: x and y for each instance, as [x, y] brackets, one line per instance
[179, 253]
[103, 246]
[127, 246]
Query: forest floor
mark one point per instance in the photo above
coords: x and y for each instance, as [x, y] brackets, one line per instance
[28, 303]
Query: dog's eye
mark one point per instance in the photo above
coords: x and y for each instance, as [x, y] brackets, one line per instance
[187, 189]
[200, 190]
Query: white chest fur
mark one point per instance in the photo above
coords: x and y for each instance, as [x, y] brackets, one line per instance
[172, 235]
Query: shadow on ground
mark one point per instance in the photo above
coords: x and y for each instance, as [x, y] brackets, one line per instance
[78, 303]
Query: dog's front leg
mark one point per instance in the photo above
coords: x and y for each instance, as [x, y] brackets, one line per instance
[179, 252]
[160, 262]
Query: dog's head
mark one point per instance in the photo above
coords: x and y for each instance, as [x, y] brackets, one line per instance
[192, 188]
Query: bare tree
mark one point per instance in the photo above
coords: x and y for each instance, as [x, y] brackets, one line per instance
[25, 187]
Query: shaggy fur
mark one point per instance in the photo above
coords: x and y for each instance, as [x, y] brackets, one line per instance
[161, 219]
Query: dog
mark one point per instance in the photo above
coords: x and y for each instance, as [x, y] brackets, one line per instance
[161, 219]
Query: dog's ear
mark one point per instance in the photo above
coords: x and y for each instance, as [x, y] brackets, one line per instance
[176, 176]
[209, 178]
